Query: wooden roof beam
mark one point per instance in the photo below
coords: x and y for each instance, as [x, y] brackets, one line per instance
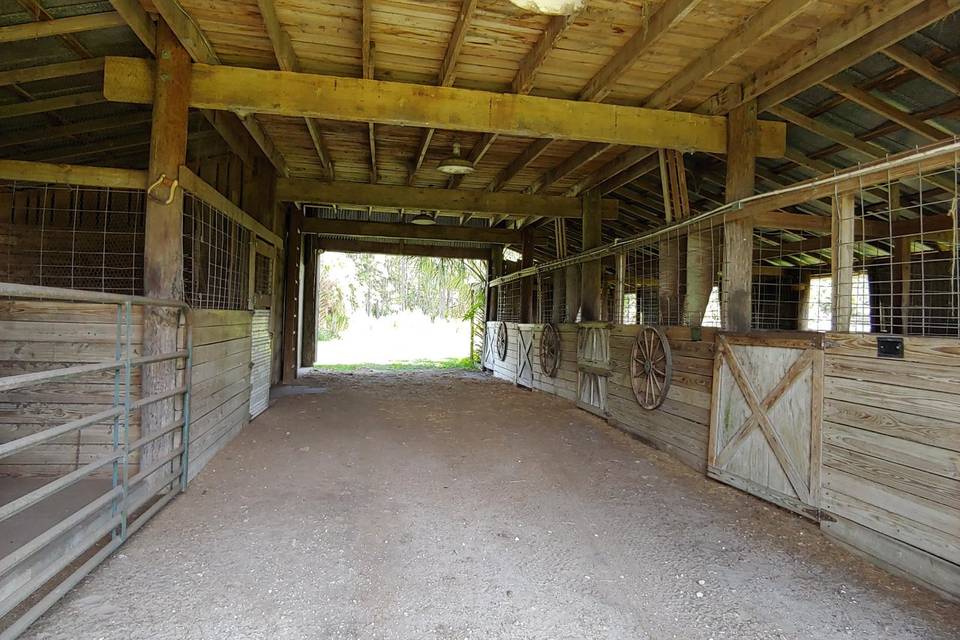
[480, 203]
[42, 15]
[401, 248]
[47, 72]
[356, 100]
[367, 50]
[410, 231]
[108, 123]
[923, 67]
[200, 49]
[46, 105]
[446, 77]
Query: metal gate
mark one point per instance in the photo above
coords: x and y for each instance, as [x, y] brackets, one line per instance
[766, 419]
[261, 357]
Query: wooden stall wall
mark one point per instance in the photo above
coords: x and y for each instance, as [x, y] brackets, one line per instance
[681, 424]
[220, 397]
[564, 383]
[891, 455]
[39, 336]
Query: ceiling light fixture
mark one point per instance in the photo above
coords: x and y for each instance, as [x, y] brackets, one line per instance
[551, 7]
[423, 219]
[455, 165]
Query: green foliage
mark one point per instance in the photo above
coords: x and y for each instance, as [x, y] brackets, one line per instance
[332, 316]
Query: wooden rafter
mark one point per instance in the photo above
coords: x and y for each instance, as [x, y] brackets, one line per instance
[46, 105]
[401, 248]
[77, 128]
[446, 77]
[46, 72]
[61, 26]
[287, 61]
[200, 49]
[410, 231]
[882, 107]
[669, 15]
[923, 67]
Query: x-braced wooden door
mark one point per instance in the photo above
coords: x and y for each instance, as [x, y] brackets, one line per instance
[524, 353]
[766, 418]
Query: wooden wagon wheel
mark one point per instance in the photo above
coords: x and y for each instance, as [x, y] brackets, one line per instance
[549, 350]
[651, 367]
[502, 341]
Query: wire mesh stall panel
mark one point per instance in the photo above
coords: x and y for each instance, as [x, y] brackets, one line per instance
[216, 257]
[70, 236]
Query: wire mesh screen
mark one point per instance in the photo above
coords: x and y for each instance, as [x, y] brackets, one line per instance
[216, 257]
[551, 297]
[874, 250]
[263, 275]
[72, 237]
[508, 303]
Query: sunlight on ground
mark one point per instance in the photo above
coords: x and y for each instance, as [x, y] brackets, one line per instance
[405, 340]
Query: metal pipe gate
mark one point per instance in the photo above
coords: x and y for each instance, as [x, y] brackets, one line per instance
[131, 501]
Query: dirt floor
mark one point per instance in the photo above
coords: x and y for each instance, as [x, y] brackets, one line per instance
[451, 505]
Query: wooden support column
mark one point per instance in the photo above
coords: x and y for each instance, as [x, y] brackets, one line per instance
[558, 283]
[572, 280]
[527, 311]
[668, 280]
[737, 288]
[308, 324]
[900, 271]
[163, 234]
[291, 299]
[591, 295]
[494, 270]
[841, 262]
[700, 276]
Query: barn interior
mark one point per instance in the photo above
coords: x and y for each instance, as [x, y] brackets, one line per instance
[726, 229]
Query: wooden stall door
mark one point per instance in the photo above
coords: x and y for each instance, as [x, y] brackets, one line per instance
[525, 356]
[490, 345]
[593, 367]
[766, 419]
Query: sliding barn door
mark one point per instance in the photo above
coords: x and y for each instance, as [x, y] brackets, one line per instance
[766, 419]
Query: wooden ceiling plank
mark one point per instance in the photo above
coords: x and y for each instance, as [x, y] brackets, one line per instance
[528, 155]
[357, 100]
[446, 77]
[287, 61]
[669, 15]
[481, 203]
[758, 26]
[587, 153]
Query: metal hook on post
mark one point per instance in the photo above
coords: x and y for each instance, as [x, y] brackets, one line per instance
[171, 185]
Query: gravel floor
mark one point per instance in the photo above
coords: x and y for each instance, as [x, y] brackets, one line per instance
[450, 505]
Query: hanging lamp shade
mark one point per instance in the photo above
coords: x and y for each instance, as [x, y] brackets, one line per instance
[551, 7]
[455, 165]
[423, 219]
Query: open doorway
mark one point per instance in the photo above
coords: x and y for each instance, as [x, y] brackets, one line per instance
[389, 312]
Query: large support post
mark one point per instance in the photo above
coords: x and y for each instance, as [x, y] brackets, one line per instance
[291, 298]
[900, 272]
[163, 234]
[699, 275]
[558, 283]
[572, 279]
[742, 137]
[308, 324]
[527, 312]
[494, 270]
[668, 280]
[591, 294]
[841, 260]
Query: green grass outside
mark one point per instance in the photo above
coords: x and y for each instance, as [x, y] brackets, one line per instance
[403, 365]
